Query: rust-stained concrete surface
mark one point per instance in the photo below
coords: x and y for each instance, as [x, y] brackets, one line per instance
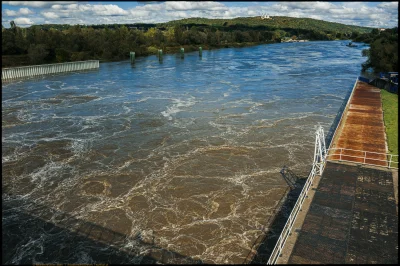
[352, 219]
[362, 128]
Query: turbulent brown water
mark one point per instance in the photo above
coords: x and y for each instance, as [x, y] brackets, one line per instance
[163, 162]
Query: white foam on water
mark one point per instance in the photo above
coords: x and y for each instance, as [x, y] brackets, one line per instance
[29, 249]
[80, 147]
[126, 109]
[143, 99]
[84, 258]
[17, 154]
[178, 106]
[261, 123]
[24, 115]
[44, 175]
[255, 106]
[184, 123]
[18, 97]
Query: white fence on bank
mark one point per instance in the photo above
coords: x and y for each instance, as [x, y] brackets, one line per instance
[29, 71]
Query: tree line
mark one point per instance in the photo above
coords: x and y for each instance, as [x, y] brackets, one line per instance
[42, 44]
[383, 52]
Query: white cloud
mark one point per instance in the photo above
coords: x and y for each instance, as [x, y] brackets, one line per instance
[394, 5]
[26, 3]
[36, 3]
[308, 5]
[140, 13]
[316, 17]
[50, 15]
[104, 10]
[10, 13]
[21, 11]
[71, 6]
[59, 7]
[186, 6]
[23, 21]
[350, 13]
[25, 11]
[153, 7]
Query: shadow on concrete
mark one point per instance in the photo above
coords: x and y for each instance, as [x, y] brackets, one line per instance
[44, 235]
[268, 240]
[290, 177]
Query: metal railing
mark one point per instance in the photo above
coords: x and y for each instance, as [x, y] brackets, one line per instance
[389, 157]
[287, 229]
[317, 168]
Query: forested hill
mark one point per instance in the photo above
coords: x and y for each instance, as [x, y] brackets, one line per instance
[41, 44]
[241, 23]
[277, 22]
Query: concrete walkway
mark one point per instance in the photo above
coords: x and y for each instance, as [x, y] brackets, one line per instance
[362, 128]
[351, 216]
[352, 219]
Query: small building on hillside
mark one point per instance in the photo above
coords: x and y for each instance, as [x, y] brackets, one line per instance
[265, 16]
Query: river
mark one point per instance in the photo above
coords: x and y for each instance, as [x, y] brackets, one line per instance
[181, 157]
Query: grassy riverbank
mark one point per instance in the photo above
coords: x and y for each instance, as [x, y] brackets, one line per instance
[390, 104]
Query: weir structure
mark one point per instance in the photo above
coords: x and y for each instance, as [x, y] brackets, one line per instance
[350, 215]
[36, 70]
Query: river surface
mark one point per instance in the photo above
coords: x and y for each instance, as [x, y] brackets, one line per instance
[180, 158]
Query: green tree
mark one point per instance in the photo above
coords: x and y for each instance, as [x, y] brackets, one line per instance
[383, 52]
[374, 32]
[37, 53]
[178, 32]
[150, 33]
[8, 42]
[60, 43]
[277, 35]
[62, 55]
[170, 35]
[354, 34]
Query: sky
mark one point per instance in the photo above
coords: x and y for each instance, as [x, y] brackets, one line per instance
[27, 13]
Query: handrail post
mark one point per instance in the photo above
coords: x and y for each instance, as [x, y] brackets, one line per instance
[365, 156]
[341, 149]
[390, 161]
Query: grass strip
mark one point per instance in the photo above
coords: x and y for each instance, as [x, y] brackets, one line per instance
[390, 105]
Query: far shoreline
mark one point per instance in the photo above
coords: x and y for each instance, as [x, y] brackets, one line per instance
[22, 60]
